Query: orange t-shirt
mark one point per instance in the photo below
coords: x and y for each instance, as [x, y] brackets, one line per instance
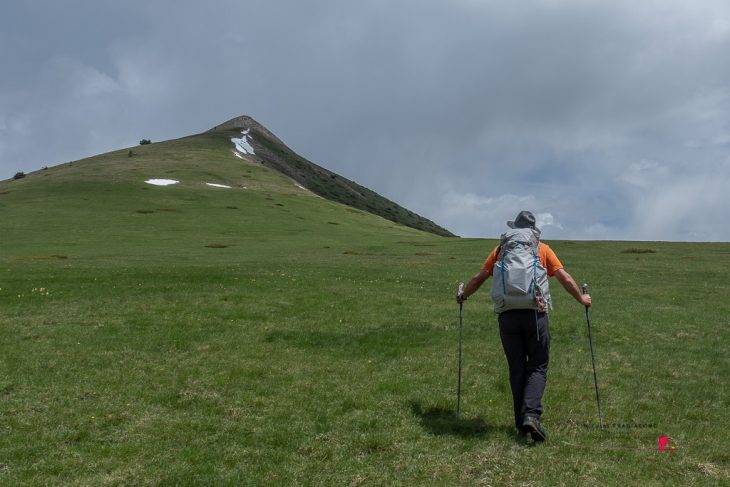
[547, 257]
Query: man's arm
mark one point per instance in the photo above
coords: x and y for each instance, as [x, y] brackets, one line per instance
[474, 284]
[569, 284]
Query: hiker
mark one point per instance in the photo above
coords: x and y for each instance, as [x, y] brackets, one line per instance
[523, 320]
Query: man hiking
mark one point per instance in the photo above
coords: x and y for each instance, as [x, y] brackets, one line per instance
[520, 266]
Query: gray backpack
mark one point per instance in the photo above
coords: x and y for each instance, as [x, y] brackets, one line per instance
[519, 279]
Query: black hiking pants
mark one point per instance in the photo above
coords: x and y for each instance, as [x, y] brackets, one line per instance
[526, 342]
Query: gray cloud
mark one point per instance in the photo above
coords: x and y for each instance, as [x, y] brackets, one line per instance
[609, 119]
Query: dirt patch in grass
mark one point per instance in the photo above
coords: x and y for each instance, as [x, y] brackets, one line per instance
[416, 244]
[416, 263]
[41, 257]
[217, 246]
[636, 250]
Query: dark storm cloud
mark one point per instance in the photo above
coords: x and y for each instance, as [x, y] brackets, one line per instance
[607, 119]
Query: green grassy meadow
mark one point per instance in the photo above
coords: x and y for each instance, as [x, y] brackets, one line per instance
[188, 335]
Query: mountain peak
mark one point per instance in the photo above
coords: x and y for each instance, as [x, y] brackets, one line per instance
[245, 122]
[240, 122]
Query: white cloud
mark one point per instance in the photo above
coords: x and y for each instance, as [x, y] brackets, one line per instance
[145, 75]
[684, 209]
[597, 231]
[645, 173]
[76, 79]
[92, 82]
[545, 220]
[723, 139]
[719, 30]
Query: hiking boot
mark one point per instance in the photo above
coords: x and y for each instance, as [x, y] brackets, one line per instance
[532, 425]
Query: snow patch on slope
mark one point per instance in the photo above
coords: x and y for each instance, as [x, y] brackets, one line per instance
[243, 145]
[161, 182]
[168, 182]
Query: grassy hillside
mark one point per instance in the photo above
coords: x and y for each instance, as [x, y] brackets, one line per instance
[194, 335]
[104, 203]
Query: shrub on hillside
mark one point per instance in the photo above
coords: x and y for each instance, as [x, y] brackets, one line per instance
[145, 142]
[19, 175]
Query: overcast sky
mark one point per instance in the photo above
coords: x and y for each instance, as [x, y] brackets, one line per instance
[608, 119]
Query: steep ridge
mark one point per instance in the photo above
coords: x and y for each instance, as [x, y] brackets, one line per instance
[259, 144]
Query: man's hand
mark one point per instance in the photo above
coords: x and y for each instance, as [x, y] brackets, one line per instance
[460, 294]
[472, 286]
[585, 298]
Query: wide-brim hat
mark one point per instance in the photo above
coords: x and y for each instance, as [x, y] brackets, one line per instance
[525, 219]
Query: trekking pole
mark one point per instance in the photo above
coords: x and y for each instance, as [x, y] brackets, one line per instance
[593, 358]
[461, 327]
